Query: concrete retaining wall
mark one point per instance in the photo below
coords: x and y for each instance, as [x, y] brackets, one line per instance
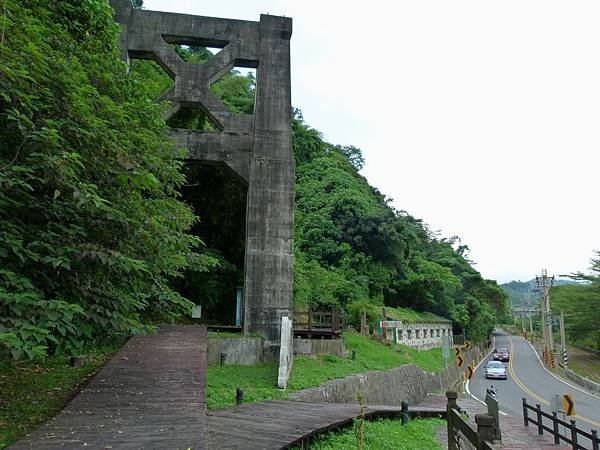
[314, 347]
[245, 351]
[389, 387]
[582, 381]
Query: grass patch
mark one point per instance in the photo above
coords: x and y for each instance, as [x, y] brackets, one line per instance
[585, 364]
[259, 381]
[31, 393]
[410, 315]
[225, 334]
[384, 434]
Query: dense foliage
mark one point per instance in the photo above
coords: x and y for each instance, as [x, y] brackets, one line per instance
[91, 230]
[354, 250]
[526, 293]
[96, 240]
[580, 304]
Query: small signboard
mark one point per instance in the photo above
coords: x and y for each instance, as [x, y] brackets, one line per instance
[467, 345]
[459, 360]
[569, 404]
[196, 311]
[390, 323]
[470, 372]
[446, 347]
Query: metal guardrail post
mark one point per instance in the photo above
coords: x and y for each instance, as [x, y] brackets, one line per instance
[538, 410]
[574, 434]
[555, 427]
[525, 418]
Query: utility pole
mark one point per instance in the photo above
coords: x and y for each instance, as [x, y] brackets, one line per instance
[544, 283]
[531, 322]
[563, 340]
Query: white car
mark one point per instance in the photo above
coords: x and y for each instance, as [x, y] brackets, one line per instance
[495, 369]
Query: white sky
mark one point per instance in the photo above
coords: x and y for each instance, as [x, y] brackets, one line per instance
[480, 117]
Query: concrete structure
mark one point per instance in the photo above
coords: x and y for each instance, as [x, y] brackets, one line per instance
[243, 350]
[315, 347]
[390, 387]
[421, 335]
[257, 147]
[286, 352]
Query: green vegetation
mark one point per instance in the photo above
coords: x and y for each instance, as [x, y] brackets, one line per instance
[39, 391]
[104, 231]
[584, 363]
[258, 381]
[91, 229]
[580, 304]
[384, 434]
[410, 315]
[524, 293]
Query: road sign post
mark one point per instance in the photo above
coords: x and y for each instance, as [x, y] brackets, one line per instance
[569, 404]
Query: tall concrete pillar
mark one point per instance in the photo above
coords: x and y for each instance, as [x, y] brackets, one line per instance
[257, 147]
[270, 218]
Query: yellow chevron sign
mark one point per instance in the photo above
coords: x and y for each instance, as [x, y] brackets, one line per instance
[569, 404]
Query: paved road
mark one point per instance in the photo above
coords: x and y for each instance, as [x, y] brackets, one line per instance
[528, 378]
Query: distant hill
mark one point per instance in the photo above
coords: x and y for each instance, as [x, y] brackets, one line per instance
[523, 292]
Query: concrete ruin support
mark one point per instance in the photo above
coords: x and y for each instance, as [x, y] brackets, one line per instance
[258, 147]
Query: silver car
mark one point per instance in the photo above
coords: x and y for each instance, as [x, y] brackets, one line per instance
[495, 369]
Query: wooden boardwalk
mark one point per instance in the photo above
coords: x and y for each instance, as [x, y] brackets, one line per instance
[280, 424]
[150, 395]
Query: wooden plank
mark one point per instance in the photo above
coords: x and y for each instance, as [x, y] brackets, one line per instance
[150, 395]
[279, 424]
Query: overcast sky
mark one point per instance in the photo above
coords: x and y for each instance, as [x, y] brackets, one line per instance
[480, 117]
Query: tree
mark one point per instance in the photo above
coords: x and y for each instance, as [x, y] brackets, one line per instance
[91, 229]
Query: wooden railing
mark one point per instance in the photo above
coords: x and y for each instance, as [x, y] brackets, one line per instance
[576, 435]
[308, 322]
[460, 429]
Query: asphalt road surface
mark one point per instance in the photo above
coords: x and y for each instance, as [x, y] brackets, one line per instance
[527, 377]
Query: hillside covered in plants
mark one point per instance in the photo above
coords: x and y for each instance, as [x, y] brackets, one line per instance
[104, 231]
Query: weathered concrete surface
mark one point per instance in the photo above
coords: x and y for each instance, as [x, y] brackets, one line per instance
[244, 351]
[588, 384]
[390, 387]
[258, 147]
[315, 347]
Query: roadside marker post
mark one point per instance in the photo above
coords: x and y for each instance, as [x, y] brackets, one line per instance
[569, 405]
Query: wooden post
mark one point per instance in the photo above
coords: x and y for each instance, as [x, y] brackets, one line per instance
[525, 418]
[451, 396]
[538, 410]
[555, 427]
[485, 429]
[574, 434]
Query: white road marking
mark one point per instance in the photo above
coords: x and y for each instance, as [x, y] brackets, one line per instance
[556, 376]
[474, 370]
